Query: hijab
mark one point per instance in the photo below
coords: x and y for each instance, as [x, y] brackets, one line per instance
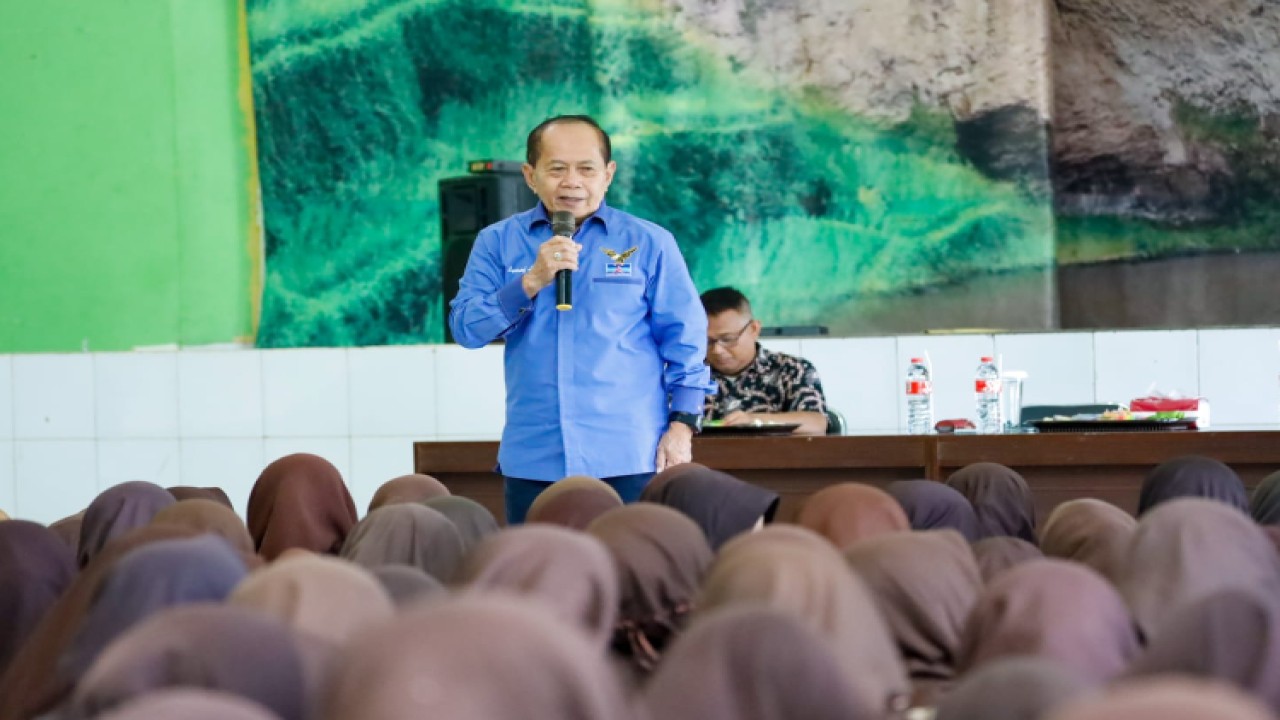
[1167, 699]
[652, 491]
[1192, 476]
[405, 584]
[406, 534]
[925, 584]
[721, 504]
[414, 488]
[569, 572]
[849, 512]
[1055, 609]
[997, 554]
[573, 502]
[1014, 688]
[661, 556]
[208, 516]
[320, 596]
[36, 567]
[116, 511]
[216, 494]
[300, 501]
[68, 530]
[1188, 548]
[1265, 503]
[931, 505]
[1000, 498]
[189, 704]
[753, 663]
[1090, 532]
[475, 658]
[473, 520]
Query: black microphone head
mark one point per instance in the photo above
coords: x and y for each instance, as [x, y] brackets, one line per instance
[562, 223]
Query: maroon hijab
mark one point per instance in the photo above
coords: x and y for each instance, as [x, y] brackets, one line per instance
[300, 501]
[116, 511]
[36, 567]
[849, 512]
[1001, 499]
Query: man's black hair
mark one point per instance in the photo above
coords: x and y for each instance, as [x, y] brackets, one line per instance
[720, 299]
[533, 145]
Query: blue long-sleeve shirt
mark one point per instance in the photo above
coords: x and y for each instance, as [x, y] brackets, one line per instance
[588, 389]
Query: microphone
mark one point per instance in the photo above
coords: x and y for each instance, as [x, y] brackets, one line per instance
[562, 224]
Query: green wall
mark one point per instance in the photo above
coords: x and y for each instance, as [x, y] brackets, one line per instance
[126, 184]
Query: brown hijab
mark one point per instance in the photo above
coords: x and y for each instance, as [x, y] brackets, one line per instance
[475, 658]
[925, 583]
[324, 597]
[573, 502]
[407, 489]
[1000, 497]
[812, 583]
[215, 647]
[216, 494]
[1014, 688]
[1186, 549]
[569, 572]
[997, 554]
[721, 504]
[406, 585]
[1192, 476]
[116, 511]
[208, 516]
[1090, 532]
[36, 567]
[1055, 609]
[68, 530]
[661, 557]
[652, 491]
[300, 501]
[32, 685]
[189, 704]
[406, 534]
[754, 663]
[1167, 699]
[849, 512]
[473, 520]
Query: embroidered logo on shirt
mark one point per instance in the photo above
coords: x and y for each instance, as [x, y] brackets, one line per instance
[617, 270]
[620, 258]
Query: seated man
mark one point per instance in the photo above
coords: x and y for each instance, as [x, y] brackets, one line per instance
[755, 383]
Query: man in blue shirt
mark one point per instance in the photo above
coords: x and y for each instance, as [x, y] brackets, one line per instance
[614, 387]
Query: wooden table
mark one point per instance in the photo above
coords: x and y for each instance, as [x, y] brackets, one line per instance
[1058, 466]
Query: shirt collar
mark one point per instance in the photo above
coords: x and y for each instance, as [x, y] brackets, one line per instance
[538, 216]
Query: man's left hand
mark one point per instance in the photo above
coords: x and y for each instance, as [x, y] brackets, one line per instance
[676, 446]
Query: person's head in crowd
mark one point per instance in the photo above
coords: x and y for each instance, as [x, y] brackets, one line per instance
[116, 511]
[1166, 699]
[570, 572]
[215, 647]
[147, 580]
[1192, 476]
[1019, 687]
[1188, 548]
[68, 530]
[473, 520]
[186, 492]
[573, 502]
[1055, 609]
[36, 567]
[208, 516]
[661, 556]
[1091, 532]
[189, 704]
[653, 490]
[848, 512]
[797, 572]
[1264, 505]
[569, 164]
[721, 504]
[1230, 635]
[925, 583]
[931, 505]
[754, 663]
[733, 326]
[413, 488]
[326, 598]
[475, 658]
[1001, 499]
[997, 554]
[406, 534]
[300, 501]
[406, 585]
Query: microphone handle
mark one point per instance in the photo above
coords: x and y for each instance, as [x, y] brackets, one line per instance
[564, 290]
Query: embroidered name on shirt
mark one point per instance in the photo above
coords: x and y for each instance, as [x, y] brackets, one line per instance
[517, 270]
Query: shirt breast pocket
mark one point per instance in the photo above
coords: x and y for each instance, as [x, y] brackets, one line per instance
[619, 280]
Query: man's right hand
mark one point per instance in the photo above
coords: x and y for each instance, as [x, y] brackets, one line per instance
[544, 269]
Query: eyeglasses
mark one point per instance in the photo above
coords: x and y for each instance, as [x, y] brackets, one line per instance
[729, 341]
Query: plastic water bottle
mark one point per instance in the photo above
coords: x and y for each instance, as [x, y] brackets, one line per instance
[986, 393]
[919, 398]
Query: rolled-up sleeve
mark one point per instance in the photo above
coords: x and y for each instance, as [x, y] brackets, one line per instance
[679, 327]
[488, 304]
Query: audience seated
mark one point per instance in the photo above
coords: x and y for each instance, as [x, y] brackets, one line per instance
[1017, 687]
[414, 488]
[932, 505]
[848, 512]
[721, 504]
[573, 502]
[406, 534]
[1001, 499]
[300, 501]
[1090, 532]
[1192, 476]
[997, 554]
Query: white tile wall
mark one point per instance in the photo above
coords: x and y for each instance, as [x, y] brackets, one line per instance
[8, 486]
[53, 397]
[859, 378]
[220, 394]
[1127, 363]
[231, 464]
[393, 391]
[136, 395]
[1059, 366]
[55, 478]
[375, 461]
[305, 393]
[6, 398]
[1240, 374]
[471, 393]
[955, 361]
[156, 461]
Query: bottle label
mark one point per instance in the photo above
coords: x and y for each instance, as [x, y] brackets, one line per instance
[919, 387]
[983, 387]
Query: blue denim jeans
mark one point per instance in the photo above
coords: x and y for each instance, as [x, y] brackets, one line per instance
[520, 493]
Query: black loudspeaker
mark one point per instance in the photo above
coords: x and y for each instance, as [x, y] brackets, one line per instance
[468, 204]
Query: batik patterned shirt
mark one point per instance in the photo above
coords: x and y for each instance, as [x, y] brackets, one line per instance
[774, 382]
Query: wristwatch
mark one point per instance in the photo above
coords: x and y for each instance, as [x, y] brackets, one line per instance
[693, 420]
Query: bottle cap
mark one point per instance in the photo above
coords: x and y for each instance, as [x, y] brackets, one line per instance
[987, 359]
[917, 360]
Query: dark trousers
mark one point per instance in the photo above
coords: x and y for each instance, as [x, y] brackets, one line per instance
[520, 494]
